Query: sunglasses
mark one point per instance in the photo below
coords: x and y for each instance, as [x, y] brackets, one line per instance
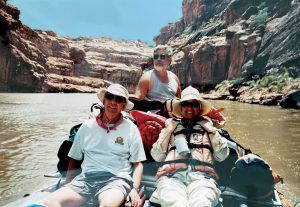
[192, 104]
[161, 56]
[118, 99]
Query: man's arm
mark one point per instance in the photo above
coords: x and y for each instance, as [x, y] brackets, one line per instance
[137, 177]
[73, 166]
[137, 174]
[178, 92]
[143, 87]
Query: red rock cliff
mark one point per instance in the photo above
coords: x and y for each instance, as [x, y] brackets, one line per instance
[237, 40]
[40, 61]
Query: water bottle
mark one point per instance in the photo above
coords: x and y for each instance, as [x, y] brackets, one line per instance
[181, 145]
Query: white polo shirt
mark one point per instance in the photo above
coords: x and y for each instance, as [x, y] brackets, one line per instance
[112, 151]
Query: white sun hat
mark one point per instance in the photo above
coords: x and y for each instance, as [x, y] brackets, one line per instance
[117, 90]
[187, 94]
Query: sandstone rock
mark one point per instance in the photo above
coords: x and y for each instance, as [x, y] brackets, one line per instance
[28, 58]
[191, 10]
[59, 66]
[214, 96]
[116, 61]
[202, 64]
[270, 99]
[77, 55]
[57, 83]
[9, 18]
[195, 12]
[280, 43]
[235, 10]
[243, 49]
[252, 10]
[168, 32]
[291, 100]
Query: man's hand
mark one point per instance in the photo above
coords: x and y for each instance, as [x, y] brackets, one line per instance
[135, 198]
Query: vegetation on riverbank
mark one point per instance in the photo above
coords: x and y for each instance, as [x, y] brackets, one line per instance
[269, 89]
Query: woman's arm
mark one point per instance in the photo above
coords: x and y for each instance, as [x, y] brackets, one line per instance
[160, 147]
[219, 145]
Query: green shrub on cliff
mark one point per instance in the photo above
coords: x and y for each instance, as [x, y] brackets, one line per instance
[266, 81]
[275, 82]
[279, 82]
[260, 19]
[251, 83]
[237, 82]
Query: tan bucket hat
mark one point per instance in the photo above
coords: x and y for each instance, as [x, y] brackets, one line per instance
[187, 94]
[118, 90]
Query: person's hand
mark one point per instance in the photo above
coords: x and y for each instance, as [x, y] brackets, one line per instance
[277, 178]
[135, 198]
[215, 114]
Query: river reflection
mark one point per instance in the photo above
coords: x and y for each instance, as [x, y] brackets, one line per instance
[34, 125]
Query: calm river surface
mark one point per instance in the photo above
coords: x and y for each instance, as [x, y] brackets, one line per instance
[32, 127]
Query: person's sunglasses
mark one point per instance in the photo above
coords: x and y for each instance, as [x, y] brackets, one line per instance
[193, 104]
[161, 56]
[118, 99]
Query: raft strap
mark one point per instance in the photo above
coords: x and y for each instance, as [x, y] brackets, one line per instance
[189, 131]
[187, 161]
[192, 146]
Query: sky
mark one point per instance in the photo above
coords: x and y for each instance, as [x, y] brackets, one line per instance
[117, 19]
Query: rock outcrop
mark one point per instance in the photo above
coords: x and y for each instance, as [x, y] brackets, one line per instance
[113, 60]
[41, 61]
[240, 41]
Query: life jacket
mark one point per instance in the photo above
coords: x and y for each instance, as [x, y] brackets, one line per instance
[201, 153]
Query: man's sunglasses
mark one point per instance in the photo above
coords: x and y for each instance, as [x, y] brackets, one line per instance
[193, 104]
[161, 56]
[118, 99]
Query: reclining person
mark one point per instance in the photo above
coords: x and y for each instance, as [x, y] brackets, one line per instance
[112, 150]
[187, 148]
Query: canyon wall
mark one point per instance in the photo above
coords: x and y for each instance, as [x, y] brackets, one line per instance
[41, 61]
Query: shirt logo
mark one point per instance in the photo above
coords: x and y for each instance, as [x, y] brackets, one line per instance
[119, 140]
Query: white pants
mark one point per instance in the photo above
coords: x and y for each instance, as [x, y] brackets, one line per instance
[188, 189]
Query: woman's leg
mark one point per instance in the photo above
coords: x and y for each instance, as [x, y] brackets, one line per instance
[203, 192]
[172, 192]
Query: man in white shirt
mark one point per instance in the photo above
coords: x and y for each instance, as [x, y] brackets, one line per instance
[112, 150]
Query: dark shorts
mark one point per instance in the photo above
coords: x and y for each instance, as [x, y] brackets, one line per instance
[91, 184]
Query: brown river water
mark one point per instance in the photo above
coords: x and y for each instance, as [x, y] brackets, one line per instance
[32, 126]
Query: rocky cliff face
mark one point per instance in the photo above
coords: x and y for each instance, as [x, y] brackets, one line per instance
[40, 61]
[238, 40]
[107, 59]
[244, 50]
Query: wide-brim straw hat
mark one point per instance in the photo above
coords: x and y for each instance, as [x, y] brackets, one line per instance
[187, 94]
[118, 90]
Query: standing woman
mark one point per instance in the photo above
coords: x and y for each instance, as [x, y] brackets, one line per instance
[187, 148]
